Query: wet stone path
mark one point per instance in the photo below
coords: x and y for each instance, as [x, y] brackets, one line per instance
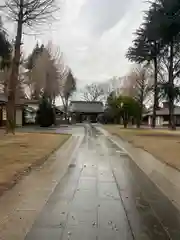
[99, 199]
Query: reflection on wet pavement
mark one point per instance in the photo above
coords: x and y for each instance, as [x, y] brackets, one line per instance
[105, 196]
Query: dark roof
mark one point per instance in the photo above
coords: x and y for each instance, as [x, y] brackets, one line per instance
[86, 107]
[59, 109]
[31, 101]
[30, 109]
[4, 99]
[165, 112]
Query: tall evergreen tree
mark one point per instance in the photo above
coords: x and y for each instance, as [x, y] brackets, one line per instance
[5, 48]
[37, 51]
[160, 36]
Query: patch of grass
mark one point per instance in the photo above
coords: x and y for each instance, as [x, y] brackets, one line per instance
[163, 144]
[19, 153]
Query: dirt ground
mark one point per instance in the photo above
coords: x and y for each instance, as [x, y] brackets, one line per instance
[19, 153]
[163, 144]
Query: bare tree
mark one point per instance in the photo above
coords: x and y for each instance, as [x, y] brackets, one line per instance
[93, 92]
[51, 78]
[68, 86]
[23, 12]
[139, 86]
[43, 79]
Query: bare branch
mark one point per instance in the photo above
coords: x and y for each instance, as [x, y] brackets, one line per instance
[44, 76]
[34, 11]
[93, 92]
[139, 84]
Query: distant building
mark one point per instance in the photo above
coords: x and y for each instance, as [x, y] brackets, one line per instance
[3, 113]
[85, 111]
[162, 116]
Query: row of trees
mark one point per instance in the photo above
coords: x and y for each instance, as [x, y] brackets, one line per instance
[157, 43]
[126, 106]
[126, 98]
[43, 77]
[44, 73]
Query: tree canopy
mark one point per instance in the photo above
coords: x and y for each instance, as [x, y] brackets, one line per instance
[157, 40]
[5, 48]
[122, 107]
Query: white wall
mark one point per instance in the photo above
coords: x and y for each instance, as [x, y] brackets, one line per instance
[149, 120]
[19, 117]
[159, 121]
[4, 114]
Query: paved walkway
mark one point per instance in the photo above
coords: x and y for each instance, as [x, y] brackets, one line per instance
[105, 196]
[166, 178]
[75, 129]
[20, 206]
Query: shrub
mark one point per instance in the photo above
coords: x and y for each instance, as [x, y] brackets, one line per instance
[45, 113]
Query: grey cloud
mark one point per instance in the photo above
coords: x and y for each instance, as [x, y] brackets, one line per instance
[102, 15]
[96, 51]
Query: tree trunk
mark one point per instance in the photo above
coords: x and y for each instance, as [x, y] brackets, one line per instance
[125, 123]
[138, 123]
[125, 119]
[171, 88]
[66, 111]
[54, 111]
[155, 93]
[11, 112]
[139, 120]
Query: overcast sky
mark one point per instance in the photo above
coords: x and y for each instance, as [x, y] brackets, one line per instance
[94, 36]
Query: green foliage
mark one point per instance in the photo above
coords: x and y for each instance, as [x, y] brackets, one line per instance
[166, 92]
[45, 114]
[124, 107]
[33, 56]
[157, 38]
[70, 86]
[5, 49]
[68, 89]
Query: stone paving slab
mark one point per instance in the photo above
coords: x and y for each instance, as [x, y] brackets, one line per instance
[45, 234]
[108, 190]
[80, 216]
[79, 232]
